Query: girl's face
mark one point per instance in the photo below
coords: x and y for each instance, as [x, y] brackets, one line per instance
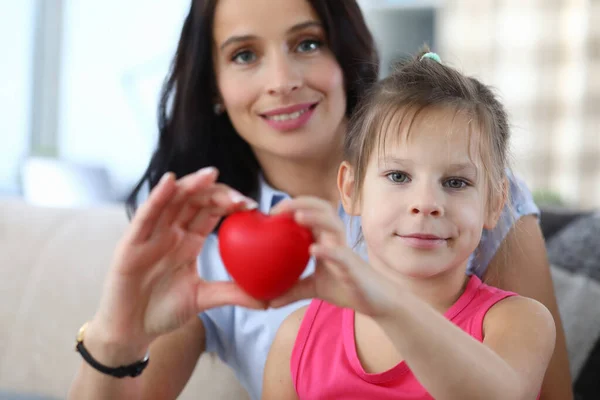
[423, 200]
[280, 84]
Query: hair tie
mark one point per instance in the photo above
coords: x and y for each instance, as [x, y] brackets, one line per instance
[431, 55]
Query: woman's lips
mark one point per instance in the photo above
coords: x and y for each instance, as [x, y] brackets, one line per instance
[289, 118]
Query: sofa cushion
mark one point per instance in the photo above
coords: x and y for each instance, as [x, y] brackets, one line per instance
[554, 219]
[52, 265]
[575, 256]
[23, 396]
[576, 247]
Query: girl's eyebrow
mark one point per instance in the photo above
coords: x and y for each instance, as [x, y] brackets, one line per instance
[391, 160]
[244, 38]
[463, 167]
[466, 168]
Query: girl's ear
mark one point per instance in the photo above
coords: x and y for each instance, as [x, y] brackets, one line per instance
[345, 183]
[496, 206]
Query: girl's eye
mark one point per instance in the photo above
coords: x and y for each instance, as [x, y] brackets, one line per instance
[397, 177]
[307, 46]
[456, 183]
[244, 57]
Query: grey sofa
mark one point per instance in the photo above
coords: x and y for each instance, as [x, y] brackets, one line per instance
[573, 245]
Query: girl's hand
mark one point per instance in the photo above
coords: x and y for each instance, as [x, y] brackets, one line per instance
[341, 276]
[153, 285]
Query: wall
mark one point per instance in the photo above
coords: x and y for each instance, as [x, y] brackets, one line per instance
[115, 56]
[16, 42]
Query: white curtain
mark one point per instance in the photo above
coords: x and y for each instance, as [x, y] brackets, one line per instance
[543, 56]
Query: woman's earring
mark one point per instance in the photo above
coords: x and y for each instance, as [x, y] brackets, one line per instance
[218, 108]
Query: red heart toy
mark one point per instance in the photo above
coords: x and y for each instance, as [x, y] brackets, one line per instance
[264, 254]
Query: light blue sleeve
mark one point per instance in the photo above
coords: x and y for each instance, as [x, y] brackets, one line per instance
[520, 203]
[218, 322]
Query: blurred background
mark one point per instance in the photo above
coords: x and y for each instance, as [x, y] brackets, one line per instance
[80, 80]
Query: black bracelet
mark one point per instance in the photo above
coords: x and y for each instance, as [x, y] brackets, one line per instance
[131, 370]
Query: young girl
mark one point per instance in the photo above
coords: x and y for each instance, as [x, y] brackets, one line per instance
[425, 162]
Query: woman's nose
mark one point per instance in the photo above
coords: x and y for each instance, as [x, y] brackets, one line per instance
[283, 77]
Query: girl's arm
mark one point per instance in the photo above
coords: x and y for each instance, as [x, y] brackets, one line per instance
[450, 364]
[521, 266]
[277, 378]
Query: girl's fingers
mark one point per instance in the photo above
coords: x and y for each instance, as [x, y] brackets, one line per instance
[311, 210]
[322, 221]
[340, 261]
[303, 289]
[300, 203]
[217, 294]
[147, 215]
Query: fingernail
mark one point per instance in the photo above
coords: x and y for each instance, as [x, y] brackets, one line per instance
[205, 171]
[237, 198]
[250, 204]
[165, 177]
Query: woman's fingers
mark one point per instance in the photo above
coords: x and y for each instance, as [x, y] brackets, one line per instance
[303, 289]
[208, 208]
[217, 294]
[187, 186]
[148, 214]
[205, 220]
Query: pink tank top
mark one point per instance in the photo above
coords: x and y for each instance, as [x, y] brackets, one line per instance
[325, 364]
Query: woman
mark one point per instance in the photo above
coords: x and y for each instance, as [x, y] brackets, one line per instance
[261, 90]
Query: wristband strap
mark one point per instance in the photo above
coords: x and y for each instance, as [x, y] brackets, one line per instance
[123, 371]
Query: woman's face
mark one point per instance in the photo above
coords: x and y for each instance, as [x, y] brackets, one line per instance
[278, 80]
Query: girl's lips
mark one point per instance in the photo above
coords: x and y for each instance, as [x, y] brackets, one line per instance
[418, 241]
[290, 118]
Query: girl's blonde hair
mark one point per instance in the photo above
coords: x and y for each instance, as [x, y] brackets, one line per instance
[421, 84]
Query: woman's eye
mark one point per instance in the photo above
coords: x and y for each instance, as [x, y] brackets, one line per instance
[244, 57]
[456, 183]
[307, 46]
[397, 177]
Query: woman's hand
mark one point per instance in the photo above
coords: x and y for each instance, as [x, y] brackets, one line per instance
[153, 285]
[341, 276]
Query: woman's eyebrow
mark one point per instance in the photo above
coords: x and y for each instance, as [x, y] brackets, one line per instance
[245, 38]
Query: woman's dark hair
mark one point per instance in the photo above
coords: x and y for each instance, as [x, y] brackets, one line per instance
[191, 136]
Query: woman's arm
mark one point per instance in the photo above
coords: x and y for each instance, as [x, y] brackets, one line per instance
[153, 294]
[174, 357]
[521, 265]
[277, 378]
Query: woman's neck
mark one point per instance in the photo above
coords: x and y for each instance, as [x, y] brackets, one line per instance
[304, 177]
